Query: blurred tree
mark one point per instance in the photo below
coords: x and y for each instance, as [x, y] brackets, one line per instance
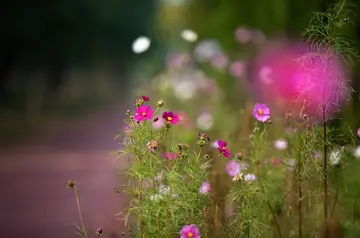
[54, 35]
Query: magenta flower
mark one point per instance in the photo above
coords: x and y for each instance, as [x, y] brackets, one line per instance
[99, 232]
[143, 113]
[145, 98]
[170, 117]
[222, 148]
[304, 78]
[233, 168]
[261, 112]
[169, 155]
[190, 231]
[358, 132]
[205, 187]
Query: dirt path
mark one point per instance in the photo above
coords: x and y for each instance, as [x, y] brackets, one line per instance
[35, 202]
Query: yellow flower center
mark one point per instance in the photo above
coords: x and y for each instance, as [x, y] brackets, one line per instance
[143, 114]
[224, 148]
[260, 112]
[190, 234]
[169, 118]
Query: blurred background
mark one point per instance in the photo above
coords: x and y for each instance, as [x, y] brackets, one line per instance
[69, 70]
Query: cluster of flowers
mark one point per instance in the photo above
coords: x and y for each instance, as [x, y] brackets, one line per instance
[145, 112]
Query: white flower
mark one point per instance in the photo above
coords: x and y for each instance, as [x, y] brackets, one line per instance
[357, 152]
[335, 157]
[206, 49]
[215, 144]
[164, 190]
[291, 164]
[281, 144]
[189, 35]
[155, 197]
[249, 177]
[141, 44]
[205, 121]
[238, 177]
[184, 89]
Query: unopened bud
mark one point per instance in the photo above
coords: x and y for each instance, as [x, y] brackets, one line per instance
[160, 103]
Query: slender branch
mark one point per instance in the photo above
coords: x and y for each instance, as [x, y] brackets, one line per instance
[80, 215]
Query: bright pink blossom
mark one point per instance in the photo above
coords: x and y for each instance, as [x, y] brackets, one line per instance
[145, 98]
[205, 187]
[313, 79]
[190, 231]
[223, 149]
[261, 112]
[169, 155]
[143, 113]
[233, 168]
[170, 117]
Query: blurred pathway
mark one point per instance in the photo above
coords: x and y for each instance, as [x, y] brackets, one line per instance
[34, 201]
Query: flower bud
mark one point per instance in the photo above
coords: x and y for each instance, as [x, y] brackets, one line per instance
[160, 103]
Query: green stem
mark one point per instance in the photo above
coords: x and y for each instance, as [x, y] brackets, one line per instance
[80, 214]
[300, 189]
[325, 173]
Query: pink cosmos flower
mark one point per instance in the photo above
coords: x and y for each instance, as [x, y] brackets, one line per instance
[143, 113]
[176, 60]
[184, 120]
[205, 187]
[169, 155]
[219, 61]
[261, 112]
[145, 98]
[170, 117]
[249, 177]
[300, 75]
[222, 148]
[237, 69]
[358, 132]
[276, 161]
[190, 231]
[243, 35]
[233, 168]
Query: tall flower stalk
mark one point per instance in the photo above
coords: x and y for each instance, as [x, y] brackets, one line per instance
[324, 34]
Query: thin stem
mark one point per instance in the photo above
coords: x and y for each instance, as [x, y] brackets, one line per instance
[205, 221]
[141, 211]
[168, 226]
[300, 210]
[80, 215]
[325, 172]
[300, 188]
